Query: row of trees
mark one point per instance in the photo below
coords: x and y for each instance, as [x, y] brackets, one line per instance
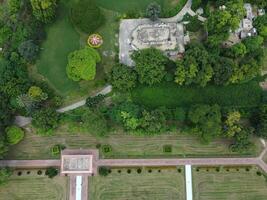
[21, 33]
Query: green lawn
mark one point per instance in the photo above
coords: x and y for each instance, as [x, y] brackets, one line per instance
[138, 5]
[172, 95]
[124, 145]
[232, 185]
[61, 40]
[165, 185]
[34, 187]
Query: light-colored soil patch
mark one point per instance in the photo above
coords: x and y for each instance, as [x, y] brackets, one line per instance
[29, 187]
[232, 185]
[165, 185]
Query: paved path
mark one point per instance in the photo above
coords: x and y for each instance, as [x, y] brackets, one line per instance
[22, 121]
[188, 182]
[30, 163]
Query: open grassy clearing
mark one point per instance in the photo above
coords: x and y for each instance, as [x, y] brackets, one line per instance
[167, 184]
[124, 146]
[232, 185]
[34, 187]
[171, 95]
[61, 40]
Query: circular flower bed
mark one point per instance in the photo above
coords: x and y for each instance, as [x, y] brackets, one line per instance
[95, 40]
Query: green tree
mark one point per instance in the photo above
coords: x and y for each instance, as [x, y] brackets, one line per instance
[84, 11]
[5, 173]
[195, 67]
[44, 10]
[123, 78]
[28, 50]
[205, 121]
[236, 51]
[153, 11]
[14, 134]
[153, 122]
[261, 121]
[253, 43]
[150, 65]
[82, 64]
[242, 141]
[232, 124]
[93, 102]
[95, 123]
[46, 120]
[37, 94]
[223, 69]
[51, 172]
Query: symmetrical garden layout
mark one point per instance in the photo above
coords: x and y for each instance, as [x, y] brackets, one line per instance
[80, 164]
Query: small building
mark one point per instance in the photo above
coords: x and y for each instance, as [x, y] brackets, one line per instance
[249, 11]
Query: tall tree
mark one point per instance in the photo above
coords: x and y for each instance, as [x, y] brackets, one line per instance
[44, 10]
[150, 65]
[153, 11]
[82, 64]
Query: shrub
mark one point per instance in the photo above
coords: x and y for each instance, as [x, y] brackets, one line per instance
[51, 172]
[56, 149]
[258, 173]
[87, 16]
[39, 172]
[167, 148]
[14, 134]
[92, 102]
[103, 171]
[139, 171]
[106, 148]
[129, 171]
[179, 114]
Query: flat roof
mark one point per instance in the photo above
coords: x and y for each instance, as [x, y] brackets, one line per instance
[76, 164]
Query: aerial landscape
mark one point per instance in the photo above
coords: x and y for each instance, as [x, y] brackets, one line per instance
[133, 99]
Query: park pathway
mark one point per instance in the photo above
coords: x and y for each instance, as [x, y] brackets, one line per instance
[22, 121]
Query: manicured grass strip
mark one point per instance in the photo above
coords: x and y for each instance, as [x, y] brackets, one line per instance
[29, 187]
[232, 185]
[124, 145]
[163, 185]
[172, 95]
[61, 40]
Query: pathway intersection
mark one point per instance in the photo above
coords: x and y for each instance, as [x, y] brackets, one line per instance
[80, 164]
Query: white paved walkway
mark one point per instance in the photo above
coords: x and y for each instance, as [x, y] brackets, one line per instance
[188, 180]
[22, 121]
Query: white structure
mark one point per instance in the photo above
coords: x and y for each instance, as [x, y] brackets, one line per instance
[79, 182]
[189, 185]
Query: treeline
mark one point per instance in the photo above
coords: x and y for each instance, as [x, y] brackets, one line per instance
[21, 33]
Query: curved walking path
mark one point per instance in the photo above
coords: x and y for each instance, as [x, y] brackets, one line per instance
[22, 121]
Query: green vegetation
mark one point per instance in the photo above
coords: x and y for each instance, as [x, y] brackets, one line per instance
[53, 58]
[129, 184]
[171, 95]
[231, 185]
[87, 16]
[32, 187]
[169, 7]
[14, 134]
[82, 64]
[44, 10]
[125, 145]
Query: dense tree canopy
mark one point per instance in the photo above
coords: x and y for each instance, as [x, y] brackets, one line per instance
[153, 11]
[195, 67]
[5, 173]
[123, 78]
[150, 65]
[44, 10]
[45, 120]
[206, 121]
[82, 64]
[28, 50]
[87, 16]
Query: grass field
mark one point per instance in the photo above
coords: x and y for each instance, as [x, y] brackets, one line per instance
[61, 40]
[172, 95]
[138, 5]
[123, 145]
[230, 185]
[165, 185]
[33, 187]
